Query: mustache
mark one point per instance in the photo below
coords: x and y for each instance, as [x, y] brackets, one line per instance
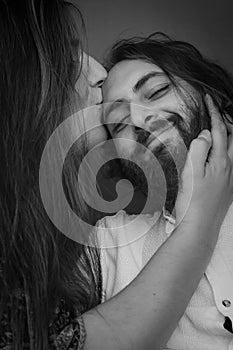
[174, 120]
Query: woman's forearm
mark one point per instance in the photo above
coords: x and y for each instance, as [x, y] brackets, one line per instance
[146, 312]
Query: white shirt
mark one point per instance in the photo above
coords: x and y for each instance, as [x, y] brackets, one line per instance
[131, 241]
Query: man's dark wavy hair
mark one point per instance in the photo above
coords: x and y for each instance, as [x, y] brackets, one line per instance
[179, 59]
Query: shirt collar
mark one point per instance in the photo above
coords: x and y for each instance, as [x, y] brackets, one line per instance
[168, 216]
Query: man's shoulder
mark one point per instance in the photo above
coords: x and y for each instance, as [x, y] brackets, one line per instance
[121, 229]
[127, 242]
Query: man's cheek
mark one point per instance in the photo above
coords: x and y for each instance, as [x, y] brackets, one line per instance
[171, 138]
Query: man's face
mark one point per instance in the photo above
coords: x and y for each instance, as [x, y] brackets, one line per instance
[161, 117]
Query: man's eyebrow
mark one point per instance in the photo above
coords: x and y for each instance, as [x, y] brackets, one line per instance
[142, 81]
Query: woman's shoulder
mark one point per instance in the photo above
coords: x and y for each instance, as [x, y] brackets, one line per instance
[65, 331]
[6, 331]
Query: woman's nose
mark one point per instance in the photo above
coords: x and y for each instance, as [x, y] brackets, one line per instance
[96, 73]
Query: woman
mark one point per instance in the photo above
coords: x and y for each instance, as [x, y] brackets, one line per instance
[46, 280]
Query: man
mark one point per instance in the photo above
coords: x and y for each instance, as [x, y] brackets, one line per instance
[155, 104]
[159, 87]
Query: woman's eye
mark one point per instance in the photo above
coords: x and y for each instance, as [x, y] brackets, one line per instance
[159, 93]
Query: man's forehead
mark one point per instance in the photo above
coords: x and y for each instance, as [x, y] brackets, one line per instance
[123, 77]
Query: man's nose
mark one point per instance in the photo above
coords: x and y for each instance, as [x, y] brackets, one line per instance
[142, 116]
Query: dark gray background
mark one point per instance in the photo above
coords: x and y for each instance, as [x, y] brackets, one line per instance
[206, 24]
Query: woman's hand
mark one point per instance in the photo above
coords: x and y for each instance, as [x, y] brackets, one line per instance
[207, 178]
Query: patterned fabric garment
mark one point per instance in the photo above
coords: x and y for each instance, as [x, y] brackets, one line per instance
[65, 333]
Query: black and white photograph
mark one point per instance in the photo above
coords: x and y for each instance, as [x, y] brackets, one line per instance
[116, 175]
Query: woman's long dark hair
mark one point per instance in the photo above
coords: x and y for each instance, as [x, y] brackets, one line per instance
[179, 59]
[40, 60]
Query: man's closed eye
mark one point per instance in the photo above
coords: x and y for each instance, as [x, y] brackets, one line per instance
[158, 93]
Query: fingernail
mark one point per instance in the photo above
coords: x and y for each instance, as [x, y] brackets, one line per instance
[207, 98]
[205, 133]
[209, 101]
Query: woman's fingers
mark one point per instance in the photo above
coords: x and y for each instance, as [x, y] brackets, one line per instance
[218, 131]
[193, 172]
[198, 153]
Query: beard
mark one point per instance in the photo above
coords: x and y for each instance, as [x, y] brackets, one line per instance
[171, 160]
